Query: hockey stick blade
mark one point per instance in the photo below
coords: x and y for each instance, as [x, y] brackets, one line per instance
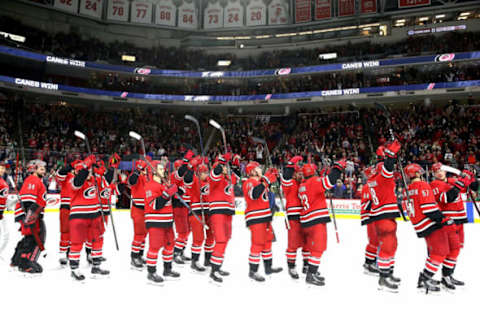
[135, 135]
[258, 140]
[80, 135]
[191, 118]
[451, 170]
[215, 124]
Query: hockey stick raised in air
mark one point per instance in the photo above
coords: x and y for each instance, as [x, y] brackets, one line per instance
[85, 139]
[387, 115]
[140, 138]
[280, 190]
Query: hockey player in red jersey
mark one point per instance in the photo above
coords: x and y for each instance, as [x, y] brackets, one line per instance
[382, 214]
[258, 217]
[137, 182]
[315, 215]
[222, 207]
[429, 223]
[370, 265]
[180, 212]
[449, 199]
[29, 212]
[3, 190]
[159, 223]
[64, 176]
[86, 223]
[196, 182]
[291, 178]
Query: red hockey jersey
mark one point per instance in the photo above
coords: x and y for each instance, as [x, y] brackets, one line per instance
[424, 205]
[84, 202]
[382, 193]
[194, 190]
[182, 190]
[34, 191]
[294, 205]
[66, 191]
[312, 196]
[138, 191]
[3, 194]
[257, 210]
[157, 217]
[454, 210]
[221, 196]
[365, 205]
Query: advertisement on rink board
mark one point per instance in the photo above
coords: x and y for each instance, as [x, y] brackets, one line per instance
[344, 208]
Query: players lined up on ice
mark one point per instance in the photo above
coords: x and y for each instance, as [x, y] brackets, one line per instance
[159, 202]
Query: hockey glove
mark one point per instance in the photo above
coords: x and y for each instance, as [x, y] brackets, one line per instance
[188, 156]
[171, 190]
[392, 149]
[236, 160]
[340, 165]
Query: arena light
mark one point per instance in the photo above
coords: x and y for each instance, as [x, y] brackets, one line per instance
[327, 56]
[224, 63]
[14, 37]
[305, 33]
[439, 16]
[400, 21]
[285, 34]
[128, 58]
[465, 13]
[462, 18]
[262, 36]
[424, 18]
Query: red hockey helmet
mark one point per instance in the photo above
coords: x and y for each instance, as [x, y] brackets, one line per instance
[412, 169]
[251, 166]
[177, 164]
[75, 162]
[381, 152]
[370, 172]
[436, 166]
[309, 169]
[202, 168]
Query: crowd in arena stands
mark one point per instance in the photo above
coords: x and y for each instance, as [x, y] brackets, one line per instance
[449, 134]
[74, 45]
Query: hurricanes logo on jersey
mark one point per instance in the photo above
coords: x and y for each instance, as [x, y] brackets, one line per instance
[89, 193]
[4, 193]
[205, 190]
[265, 196]
[229, 189]
[105, 194]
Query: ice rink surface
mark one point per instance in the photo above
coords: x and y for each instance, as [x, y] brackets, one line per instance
[347, 292]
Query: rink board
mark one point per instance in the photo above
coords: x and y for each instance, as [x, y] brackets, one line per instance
[344, 208]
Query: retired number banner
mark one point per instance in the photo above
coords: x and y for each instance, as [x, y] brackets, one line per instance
[233, 14]
[118, 10]
[166, 13]
[256, 13]
[213, 16]
[66, 5]
[346, 7]
[368, 6]
[278, 12]
[141, 12]
[303, 11]
[323, 9]
[412, 3]
[187, 15]
[91, 8]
